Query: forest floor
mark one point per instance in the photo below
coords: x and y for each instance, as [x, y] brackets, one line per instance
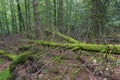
[57, 63]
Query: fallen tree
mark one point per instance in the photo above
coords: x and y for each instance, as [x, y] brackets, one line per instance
[73, 44]
[76, 45]
[113, 49]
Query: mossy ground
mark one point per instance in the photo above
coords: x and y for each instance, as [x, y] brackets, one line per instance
[4, 75]
[2, 60]
[60, 63]
[21, 59]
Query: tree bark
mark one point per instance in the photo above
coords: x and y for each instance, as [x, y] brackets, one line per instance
[27, 15]
[99, 18]
[55, 13]
[47, 2]
[36, 18]
[20, 16]
[60, 15]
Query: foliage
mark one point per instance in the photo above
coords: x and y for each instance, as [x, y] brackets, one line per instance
[8, 55]
[24, 48]
[1, 60]
[4, 75]
[57, 58]
[76, 15]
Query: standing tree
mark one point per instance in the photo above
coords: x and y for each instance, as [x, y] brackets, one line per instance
[36, 18]
[14, 20]
[47, 2]
[27, 15]
[99, 18]
[20, 16]
[55, 12]
[60, 15]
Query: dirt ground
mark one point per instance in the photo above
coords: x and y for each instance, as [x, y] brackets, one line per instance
[58, 64]
[4, 65]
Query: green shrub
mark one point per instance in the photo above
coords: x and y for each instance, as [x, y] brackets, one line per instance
[4, 75]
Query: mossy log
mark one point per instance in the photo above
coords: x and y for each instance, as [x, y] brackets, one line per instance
[21, 59]
[8, 55]
[113, 49]
[74, 44]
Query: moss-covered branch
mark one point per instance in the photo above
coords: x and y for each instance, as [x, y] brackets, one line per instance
[20, 59]
[114, 49]
[63, 36]
[8, 55]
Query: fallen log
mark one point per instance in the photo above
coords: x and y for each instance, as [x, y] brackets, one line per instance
[74, 44]
[109, 48]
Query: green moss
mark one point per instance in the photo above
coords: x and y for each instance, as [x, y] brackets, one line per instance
[8, 55]
[2, 60]
[21, 59]
[24, 48]
[57, 58]
[4, 75]
[115, 49]
[1, 51]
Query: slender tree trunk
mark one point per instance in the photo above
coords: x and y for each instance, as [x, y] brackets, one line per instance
[5, 18]
[13, 19]
[94, 23]
[60, 15]
[99, 18]
[36, 20]
[28, 16]
[35, 12]
[21, 20]
[6, 23]
[47, 13]
[55, 13]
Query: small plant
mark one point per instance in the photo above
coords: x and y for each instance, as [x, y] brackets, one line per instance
[24, 48]
[2, 61]
[57, 58]
[4, 75]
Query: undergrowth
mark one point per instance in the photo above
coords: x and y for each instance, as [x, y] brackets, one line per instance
[2, 61]
[21, 59]
[4, 75]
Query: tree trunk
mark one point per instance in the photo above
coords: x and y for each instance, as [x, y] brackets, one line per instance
[21, 20]
[47, 13]
[15, 28]
[99, 18]
[60, 15]
[28, 16]
[36, 18]
[55, 13]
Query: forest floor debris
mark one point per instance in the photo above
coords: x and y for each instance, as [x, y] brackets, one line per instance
[59, 64]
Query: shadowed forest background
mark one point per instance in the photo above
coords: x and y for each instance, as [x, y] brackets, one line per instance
[59, 39]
